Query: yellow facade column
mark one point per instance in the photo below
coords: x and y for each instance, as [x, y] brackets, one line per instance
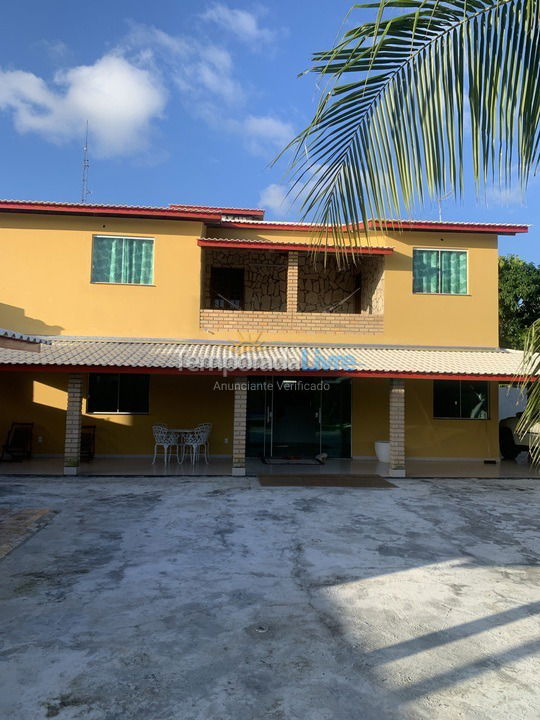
[292, 282]
[72, 445]
[239, 426]
[397, 428]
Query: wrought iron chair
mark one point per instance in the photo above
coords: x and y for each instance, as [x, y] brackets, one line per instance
[193, 443]
[165, 438]
[207, 427]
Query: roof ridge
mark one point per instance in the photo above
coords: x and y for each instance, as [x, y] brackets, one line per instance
[263, 344]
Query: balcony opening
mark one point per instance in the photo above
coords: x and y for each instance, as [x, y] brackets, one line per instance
[227, 286]
[352, 289]
[252, 280]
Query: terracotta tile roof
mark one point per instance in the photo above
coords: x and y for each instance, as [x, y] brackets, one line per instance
[216, 356]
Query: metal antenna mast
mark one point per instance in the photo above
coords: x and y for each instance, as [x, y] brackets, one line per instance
[85, 192]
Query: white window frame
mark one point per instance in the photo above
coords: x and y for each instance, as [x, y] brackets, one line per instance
[124, 237]
[441, 250]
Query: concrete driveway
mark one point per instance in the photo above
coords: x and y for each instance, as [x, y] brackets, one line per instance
[163, 599]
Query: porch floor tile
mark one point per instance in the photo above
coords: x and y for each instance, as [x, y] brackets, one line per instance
[222, 466]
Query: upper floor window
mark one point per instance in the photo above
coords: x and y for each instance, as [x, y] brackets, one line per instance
[227, 288]
[122, 260]
[112, 393]
[440, 272]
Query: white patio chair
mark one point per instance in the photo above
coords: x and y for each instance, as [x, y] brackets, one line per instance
[165, 438]
[207, 427]
[193, 443]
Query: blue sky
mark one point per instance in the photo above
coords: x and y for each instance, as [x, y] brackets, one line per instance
[187, 102]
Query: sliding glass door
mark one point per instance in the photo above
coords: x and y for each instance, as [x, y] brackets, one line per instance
[298, 417]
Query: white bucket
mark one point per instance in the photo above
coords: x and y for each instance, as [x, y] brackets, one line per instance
[382, 451]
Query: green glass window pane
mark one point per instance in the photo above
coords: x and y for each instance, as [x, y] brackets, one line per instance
[454, 272]
[122, 260]
[106, 259]
[137, 263]
[426, 271]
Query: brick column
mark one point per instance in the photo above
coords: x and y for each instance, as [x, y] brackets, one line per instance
[239, 426]
[72, 446]
[292, 282]
[397, 428]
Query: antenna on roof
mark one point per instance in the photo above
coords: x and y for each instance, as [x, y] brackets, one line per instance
[440, 201]
[85, 192]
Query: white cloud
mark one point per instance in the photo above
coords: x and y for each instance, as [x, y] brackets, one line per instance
[505, 196]
[205, 76]
[265, 133]
[56, 50]
[274, 198]
[118, 99]
[241, 23]
[124, 92]
[203, 72]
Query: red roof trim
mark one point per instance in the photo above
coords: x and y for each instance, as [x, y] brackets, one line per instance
[110, 210]
[301, 247]
[306, 373]
[458, 227]
[392, 227]
[246, 212]
[214, 215]
[173, 212]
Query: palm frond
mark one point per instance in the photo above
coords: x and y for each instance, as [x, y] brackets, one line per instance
[390, 130]
[530, 420]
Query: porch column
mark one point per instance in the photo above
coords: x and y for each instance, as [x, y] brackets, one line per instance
[397, 428]
[72, 445]
[292, 282]
[239, 426]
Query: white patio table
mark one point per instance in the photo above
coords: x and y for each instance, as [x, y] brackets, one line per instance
[180, 431]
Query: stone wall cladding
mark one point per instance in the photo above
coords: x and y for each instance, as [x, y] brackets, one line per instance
[265, 276]
[216, 320]
[288, 292]
[321, 287]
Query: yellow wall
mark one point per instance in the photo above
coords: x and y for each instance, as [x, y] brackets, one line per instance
[182, 401]
[179, 401]
[456, 320]
[425, 436]
[46, 288]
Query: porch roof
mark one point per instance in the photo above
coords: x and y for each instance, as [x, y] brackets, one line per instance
[251, 357]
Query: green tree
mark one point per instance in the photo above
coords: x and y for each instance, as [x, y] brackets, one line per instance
[519, 299]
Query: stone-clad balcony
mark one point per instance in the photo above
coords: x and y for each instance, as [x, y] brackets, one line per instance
[253, 290]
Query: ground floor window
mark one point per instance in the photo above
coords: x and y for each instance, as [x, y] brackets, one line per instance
[112, 393]
[461, 399]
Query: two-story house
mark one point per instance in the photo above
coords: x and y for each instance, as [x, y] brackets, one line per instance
[183, 315]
